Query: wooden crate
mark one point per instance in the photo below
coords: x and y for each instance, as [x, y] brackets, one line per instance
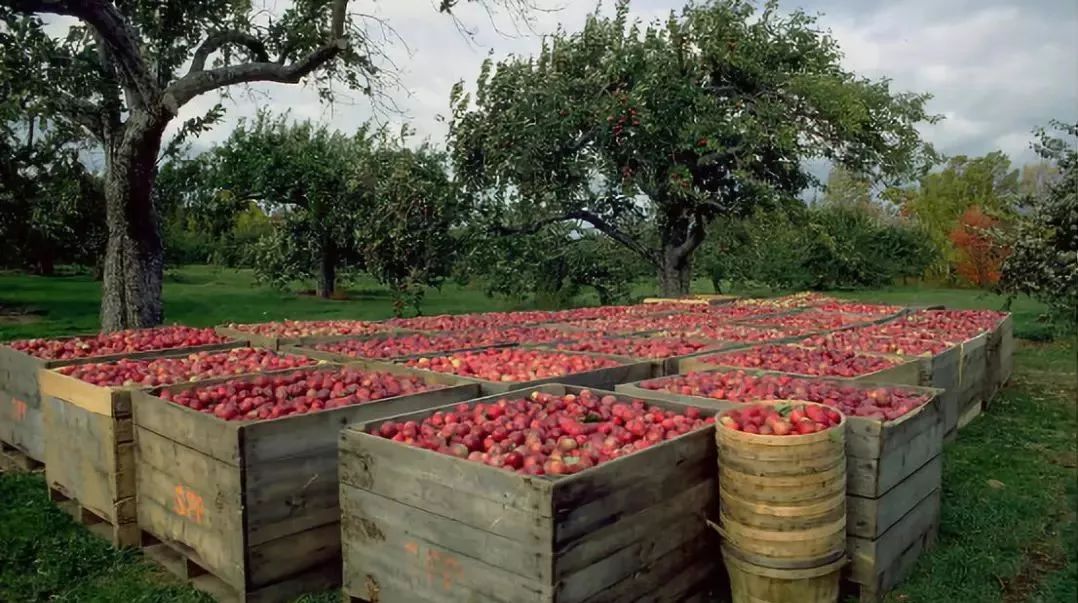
[275, 343]
[421, 526]
[879, 454]
[907, 372]
[251, 508]
[972, 378]
[868, 517]
[941, 371]
[311, 352]
[878, 565]
[22, 422]
[660, 367]
[604, 378]
[1000, 357]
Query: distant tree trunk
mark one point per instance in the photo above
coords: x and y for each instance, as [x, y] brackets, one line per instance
[680, 237]
[675, 274]
[134, 255]
[716, 283]
[327, 270]
[46, 265]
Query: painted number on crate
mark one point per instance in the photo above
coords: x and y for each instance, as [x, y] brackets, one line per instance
[189, 504]
[439, 567]
[19, 409]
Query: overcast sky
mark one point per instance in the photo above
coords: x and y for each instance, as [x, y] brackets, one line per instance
[997, 69]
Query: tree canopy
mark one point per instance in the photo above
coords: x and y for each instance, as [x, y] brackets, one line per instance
[710, 112]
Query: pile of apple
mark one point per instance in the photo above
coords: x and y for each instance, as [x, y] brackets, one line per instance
[856, 340]
[788, 302]
[148, 372]
[397, 346]
[883, 403]
[118, 342]
[638, 347]
[620, 325]
[464, 322]
[512, 364]
[810, 320]
[802, 361]
[780, 419]
[271, 397]
[858, 308]
[968, 323]
[545, 434]
[310, 328]
[729, 333]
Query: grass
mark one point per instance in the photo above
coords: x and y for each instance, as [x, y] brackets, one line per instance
[1008, 529]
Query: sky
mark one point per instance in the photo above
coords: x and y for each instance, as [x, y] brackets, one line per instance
[997, 69]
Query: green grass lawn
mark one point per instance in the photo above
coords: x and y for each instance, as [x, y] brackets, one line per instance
[1008, 530]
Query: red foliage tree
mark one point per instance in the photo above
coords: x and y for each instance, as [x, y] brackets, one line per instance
[980, 251]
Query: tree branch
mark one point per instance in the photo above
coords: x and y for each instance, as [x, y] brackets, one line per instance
[82, 112]
[216, 40]
[198, 82]
[595, 220]
[111, 27]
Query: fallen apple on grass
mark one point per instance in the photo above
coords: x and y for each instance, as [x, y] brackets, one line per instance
[118, 342]
[545, 434]
[274, 396]
[512, 364]
[179, 369]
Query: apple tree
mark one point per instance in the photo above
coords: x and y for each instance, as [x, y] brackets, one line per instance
[125, 69]
[632, 128]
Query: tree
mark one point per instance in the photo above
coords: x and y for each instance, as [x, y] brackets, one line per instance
[847, 189]
[125, 70]
[50, 204]
[1044, 261]
[405, 233]
[979, 254]
[941, 198]
[710, 113]
[306, 175]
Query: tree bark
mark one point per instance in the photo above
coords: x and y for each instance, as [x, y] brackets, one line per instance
[134, 254]
[680, 236]
[327, 271]
[675, 273]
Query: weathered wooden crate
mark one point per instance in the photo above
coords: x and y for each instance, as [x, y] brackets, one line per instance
[972, 378]
[309, 351]
[868, 517]
[941, 371]
[660, 366]
[22, 423]
[1000, 357]
[250, 509]
[879, 454]
[605, 378]
[419, 526]
[906, 372]
[878, 565]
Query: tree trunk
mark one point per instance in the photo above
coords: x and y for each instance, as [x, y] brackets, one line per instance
[134, 254]
[679, 237]
[675, 273]
[327, 271]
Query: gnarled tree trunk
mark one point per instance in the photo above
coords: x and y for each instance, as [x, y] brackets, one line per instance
[675, 273]
[680, 235]
[134, 254]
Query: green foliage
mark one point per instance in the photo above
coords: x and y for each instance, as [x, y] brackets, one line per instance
[406, 237]
[553, 265]
[661, 128]
[941, 198]
[305, 176]
[820, 248]
[1044, 260]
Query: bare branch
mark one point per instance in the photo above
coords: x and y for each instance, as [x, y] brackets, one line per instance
[117, 35]
[198, 82]
[218, 39]
[595, 220]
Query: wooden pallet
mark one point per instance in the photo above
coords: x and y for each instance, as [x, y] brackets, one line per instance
[118, 535]
[17, 459]
[186, 565]
[420, 526]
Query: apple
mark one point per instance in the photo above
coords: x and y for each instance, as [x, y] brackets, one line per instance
[152, 372]
[802, 361]
[637, 347]
[780, 419]
[118, 342]
[512, 364]
[309, 328]
[556, 435]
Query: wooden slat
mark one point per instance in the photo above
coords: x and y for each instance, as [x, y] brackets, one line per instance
[871, 517]
[195, 430]
[276, 560]
[22, 425]
[194, 501]
[367, 516]
[873, 477]
[871, 557]
[661, 580]
[108, 401]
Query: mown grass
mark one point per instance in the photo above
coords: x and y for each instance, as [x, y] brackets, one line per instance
[1011, 541]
